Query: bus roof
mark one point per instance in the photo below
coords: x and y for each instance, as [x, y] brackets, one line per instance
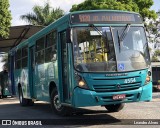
[103, 11]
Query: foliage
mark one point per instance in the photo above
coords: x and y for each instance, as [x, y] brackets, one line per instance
[150, 49]
[43, 15]
[154, 59]
[5, 18]
[157, 53]
[5, 61]
[140, 6]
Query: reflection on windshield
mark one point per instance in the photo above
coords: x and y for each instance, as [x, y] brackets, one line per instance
[133, 53]
[94, 50]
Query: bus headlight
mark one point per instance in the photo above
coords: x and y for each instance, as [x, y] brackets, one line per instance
[148, 79]
[81, 82]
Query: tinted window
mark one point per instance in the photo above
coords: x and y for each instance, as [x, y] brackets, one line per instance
[40, 44]
[51, 49]
[51, 39]
[18, 64]
[25, 51]
[18, 54]
[40, 57]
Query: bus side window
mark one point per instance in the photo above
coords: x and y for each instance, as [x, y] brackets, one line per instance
[51, 49]
[24, 56]
[39, 59]
[18, 59]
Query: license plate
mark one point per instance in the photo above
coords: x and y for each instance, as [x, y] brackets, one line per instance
[119, 97]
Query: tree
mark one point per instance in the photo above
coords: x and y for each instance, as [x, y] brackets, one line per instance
[43, 15]
[140, 6]
[154, 58]
[5, 18]
[5, 61]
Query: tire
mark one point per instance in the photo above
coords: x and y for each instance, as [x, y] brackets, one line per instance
[30, 102]
[114, 107]
[4, 96]
[22, 100]
[57, 107]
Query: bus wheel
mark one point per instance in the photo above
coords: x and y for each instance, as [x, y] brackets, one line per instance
[23, 101]
[57, 106]
[30, 102]
[114, 107]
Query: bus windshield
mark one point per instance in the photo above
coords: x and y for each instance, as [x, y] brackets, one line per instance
[101, 50]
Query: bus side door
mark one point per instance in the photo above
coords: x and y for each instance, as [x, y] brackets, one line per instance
[65, 68]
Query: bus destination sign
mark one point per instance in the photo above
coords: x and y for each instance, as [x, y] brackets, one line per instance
[105, 17]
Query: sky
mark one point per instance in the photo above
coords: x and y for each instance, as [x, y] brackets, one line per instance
[21, 7]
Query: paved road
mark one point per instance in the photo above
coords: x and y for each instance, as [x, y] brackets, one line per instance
[10, 109]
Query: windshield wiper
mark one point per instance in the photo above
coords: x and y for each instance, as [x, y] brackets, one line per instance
[119, 41]
[93, 26]
[124, 33]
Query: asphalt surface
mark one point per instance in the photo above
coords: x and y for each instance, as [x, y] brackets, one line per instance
[88, 116]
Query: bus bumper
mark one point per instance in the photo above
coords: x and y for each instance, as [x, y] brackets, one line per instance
[146, 94]
[83, 98]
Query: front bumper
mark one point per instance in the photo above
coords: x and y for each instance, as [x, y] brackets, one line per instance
[83, 98]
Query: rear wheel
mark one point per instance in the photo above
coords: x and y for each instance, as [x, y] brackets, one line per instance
[114, 107]
[57, 107]
[23, 101]
[30, 102]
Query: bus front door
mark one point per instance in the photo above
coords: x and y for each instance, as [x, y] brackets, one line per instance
[65, 68]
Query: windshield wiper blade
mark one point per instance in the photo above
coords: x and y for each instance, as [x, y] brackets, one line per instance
[93, 26]
[119, 41]
[124, 33]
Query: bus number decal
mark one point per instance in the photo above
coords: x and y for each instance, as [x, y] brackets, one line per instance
[130, 80]
[84, 18]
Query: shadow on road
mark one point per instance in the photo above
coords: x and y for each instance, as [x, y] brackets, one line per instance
[42, 111]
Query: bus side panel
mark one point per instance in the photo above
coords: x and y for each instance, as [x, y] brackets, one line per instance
[51, 75]
[39, 81]
[21, 79]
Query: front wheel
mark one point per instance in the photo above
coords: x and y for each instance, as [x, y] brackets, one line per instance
[57, 106]
[114, 107]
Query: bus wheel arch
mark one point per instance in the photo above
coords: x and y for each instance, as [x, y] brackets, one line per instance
[56, 106]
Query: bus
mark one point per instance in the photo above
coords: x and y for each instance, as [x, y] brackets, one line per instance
[85, 58]
[5, 88]
[155, 75]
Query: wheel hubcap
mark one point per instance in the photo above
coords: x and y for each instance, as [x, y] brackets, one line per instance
[20, 96]
[57, 103]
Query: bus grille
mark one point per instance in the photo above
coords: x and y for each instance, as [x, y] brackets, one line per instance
[114, 88]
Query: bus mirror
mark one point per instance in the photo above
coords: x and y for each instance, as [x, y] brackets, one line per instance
[68, 35]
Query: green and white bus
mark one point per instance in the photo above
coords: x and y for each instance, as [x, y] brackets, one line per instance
[85, 58]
